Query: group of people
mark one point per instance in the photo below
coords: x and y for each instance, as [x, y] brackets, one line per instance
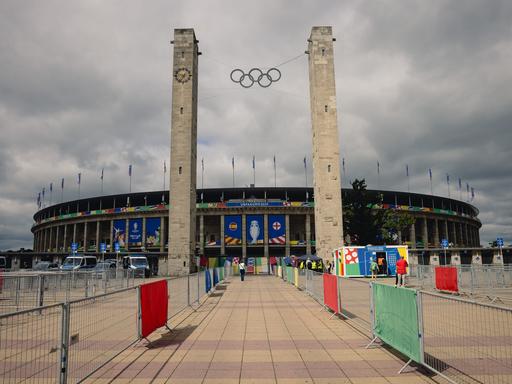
[316, 265]
[401, 269]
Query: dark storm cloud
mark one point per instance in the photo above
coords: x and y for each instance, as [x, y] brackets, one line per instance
[86, 86]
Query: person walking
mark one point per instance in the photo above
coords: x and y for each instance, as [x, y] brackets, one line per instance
[241, 267]
[401, 270]
[374, 268]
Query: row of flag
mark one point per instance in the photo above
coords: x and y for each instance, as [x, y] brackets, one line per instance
[40, 200]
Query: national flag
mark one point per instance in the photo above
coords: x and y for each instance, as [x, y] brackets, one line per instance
[79, 178]
[460, 184]
[233, 162]
[274, 161]
[253, 162]
[472, 193]
[407, 170]
[130, 170]
[43, 193]
[165, 167]
[202, 163]
[343, 165]
[378, 168]
[304, 161]
[467, 187]
[39, 199]
[448, 179]
[102, 169]
[51, 187]
[62, 184]
[430, 173]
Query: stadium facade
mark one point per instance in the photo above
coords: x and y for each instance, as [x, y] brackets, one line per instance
[241, 222]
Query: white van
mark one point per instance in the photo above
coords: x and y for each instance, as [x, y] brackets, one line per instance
[138, 264]
[79, 262]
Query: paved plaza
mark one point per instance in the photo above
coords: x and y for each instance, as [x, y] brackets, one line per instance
[258, 331]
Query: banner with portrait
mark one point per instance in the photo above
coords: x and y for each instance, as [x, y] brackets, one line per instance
[153, 232]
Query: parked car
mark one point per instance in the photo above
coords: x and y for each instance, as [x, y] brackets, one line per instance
[138, 264]
[79, 262]
[46, 266]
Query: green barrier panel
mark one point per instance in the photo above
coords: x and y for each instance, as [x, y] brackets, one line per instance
[289, 274]
[396, 319]
[221, 274]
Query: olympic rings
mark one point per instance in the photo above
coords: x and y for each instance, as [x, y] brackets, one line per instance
[255, 75]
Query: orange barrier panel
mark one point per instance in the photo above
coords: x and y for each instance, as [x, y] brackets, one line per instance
[446, 279]
[153, 307]
[331, 292]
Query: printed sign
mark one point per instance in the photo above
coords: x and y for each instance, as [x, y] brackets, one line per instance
[120, 232]
[153, 232]
[255, 229]
[135, 232]
[103, 247]
[276, 229]
[233, 229]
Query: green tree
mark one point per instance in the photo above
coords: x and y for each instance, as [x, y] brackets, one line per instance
[392, 222]
[361, 223]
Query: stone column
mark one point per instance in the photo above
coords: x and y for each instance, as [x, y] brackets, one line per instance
[466, 233]
[182, 169]
[455, 259]
[222, 240]
[74, 233]
[497, 258]
[425, 232]
[44, 240]
[460, 234]
[434, 258]
[163, 231]
[265, 235]
[326, 151]
[201, 234]
[85, 237]
[436, 233]
[50, 243]
[412, 234]
[244, 237]
[65, 239]
[308, 234]
[287, 234]
[454, 232]
[98, 235]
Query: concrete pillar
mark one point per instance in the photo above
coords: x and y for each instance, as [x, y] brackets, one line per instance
[45, 248]
[434, 258]
[98, 235]
[461, 239]
[436, 233]
[74, 233]
[50, 238]
[497, 257]
[326, 151]
[222, 240]
[455, 259]
[85, 237]
[412, 234]
[111, 236]
[425, 232]
[57, 234]
[287, 234]
[454, 233]
[182, 186]
[308, 234]
[476, 258]
[163, 231]
[65, 239]
[244, 238]
[466, 234]
[265, 235]
[201, 234]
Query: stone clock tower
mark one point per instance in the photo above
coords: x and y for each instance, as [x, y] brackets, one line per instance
[182, 190]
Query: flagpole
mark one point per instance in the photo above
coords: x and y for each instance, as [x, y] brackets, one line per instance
[102, 169]
[79, 180]
[378, 175]
[62, 190]
[448, 182]
[430, 175]
[254, 170]
[130, 174]
[202, 172]
[408, 182]
[163, 190]
[306, 171]
[275, 178]
[51, 193]
[233, 166]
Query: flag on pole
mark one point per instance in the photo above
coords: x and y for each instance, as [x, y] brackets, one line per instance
[407, 170]
[39, 200]
[130, 170]
[79, 178]
[274, 162]
[165, 167]
[430, 173]
[202, 163]
[102, 169]
[343, 165]
[62, 184]
[472, 193]
[378, 168]
[233, 162]
[51, 187]
[460, 184]
[43, 193]
[467, 187]
[448, 179]
[253, 162]
[305, 162]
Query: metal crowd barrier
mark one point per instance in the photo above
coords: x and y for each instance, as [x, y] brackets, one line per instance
[69, 341]
[464, 341]
[25, 291]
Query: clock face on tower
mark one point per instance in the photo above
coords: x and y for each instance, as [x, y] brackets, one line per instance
[182, 75]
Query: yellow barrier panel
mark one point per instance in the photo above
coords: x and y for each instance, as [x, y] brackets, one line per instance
[296, 275]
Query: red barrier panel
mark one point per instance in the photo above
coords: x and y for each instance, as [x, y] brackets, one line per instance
[153, 306]
[446, 279]
[331, 292]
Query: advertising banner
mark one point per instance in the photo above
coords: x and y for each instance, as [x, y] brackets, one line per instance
[233, 230]
[276, 229]
[446, 279]
[135, 232]
[153, 232]
[356, 261]
[396, 319]
[254, 229]
[120, 232]
[153, 307]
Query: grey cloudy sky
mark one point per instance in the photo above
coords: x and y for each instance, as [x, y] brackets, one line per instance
[85, 85]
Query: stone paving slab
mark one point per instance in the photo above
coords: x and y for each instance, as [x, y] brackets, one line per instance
[258, 331]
